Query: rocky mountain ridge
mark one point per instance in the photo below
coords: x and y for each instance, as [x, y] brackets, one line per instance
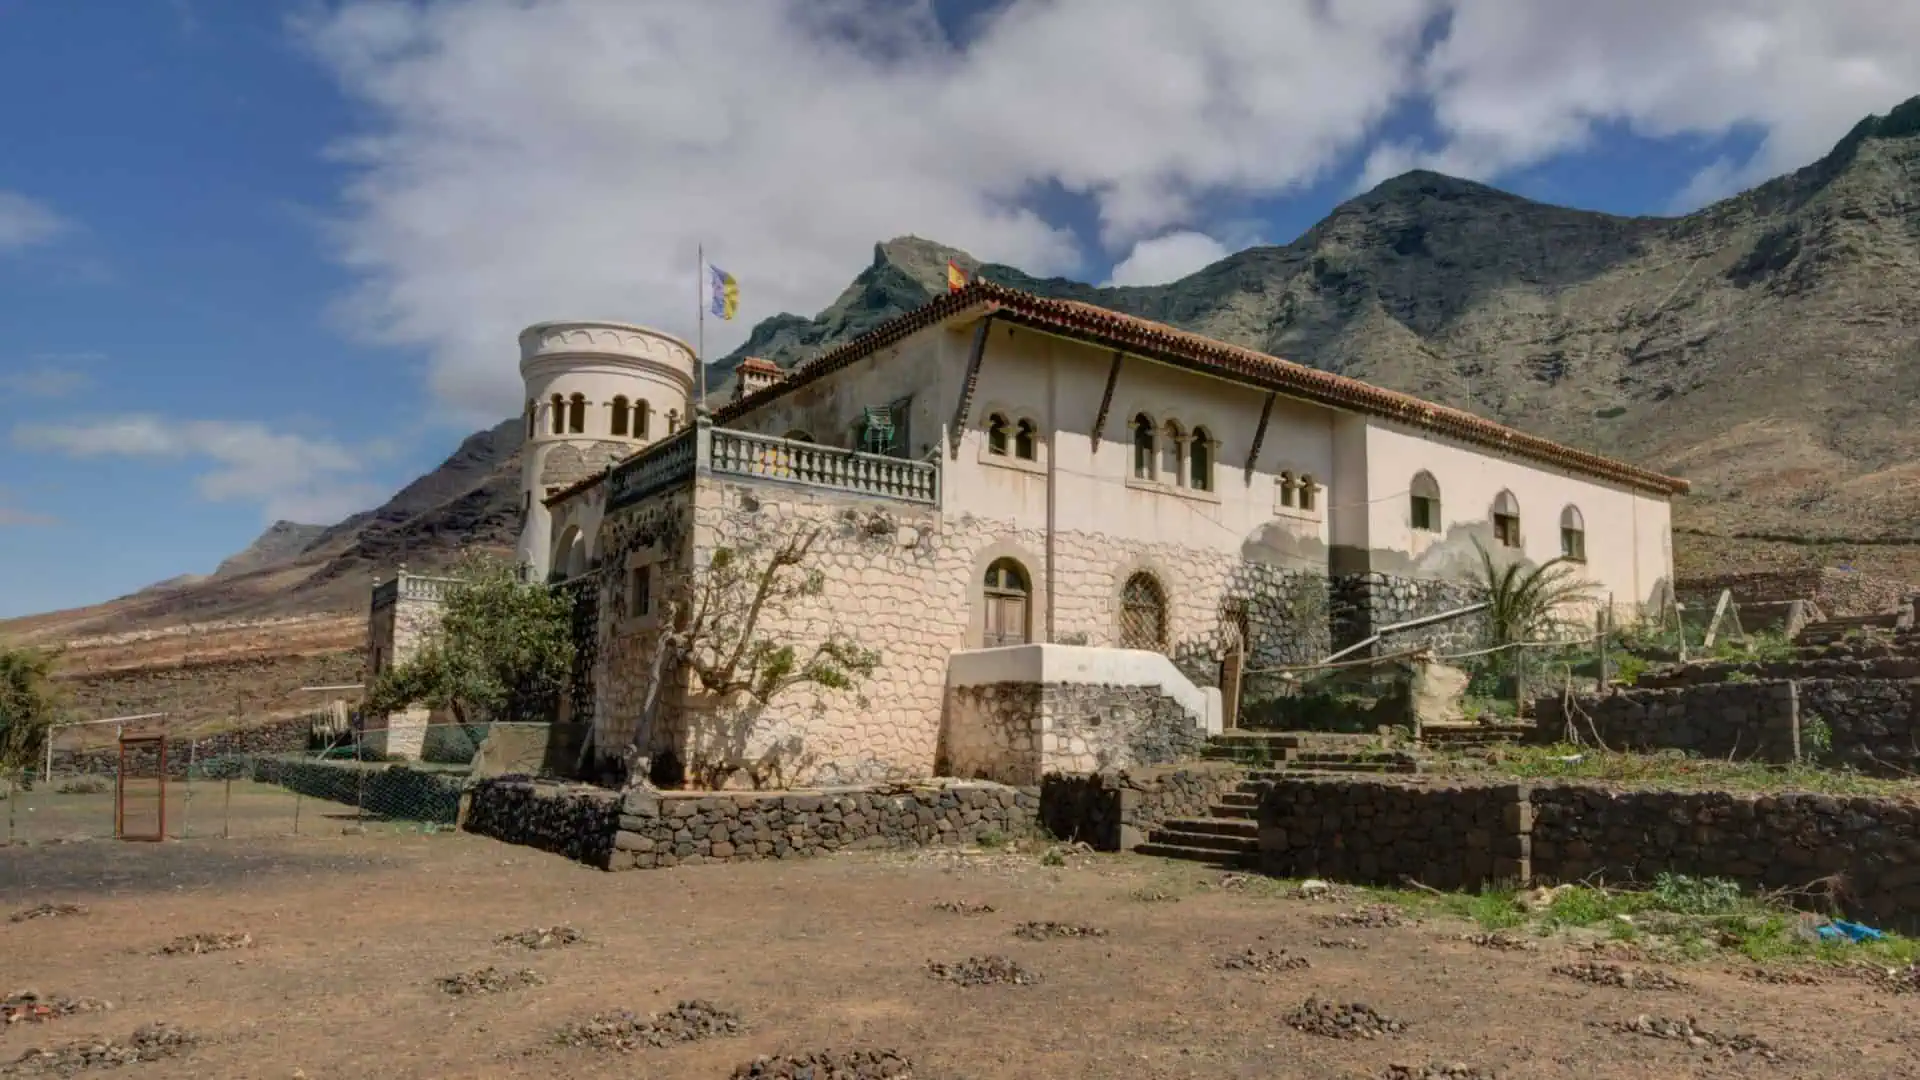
[1765, 347]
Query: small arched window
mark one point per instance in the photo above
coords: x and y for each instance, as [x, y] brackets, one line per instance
[621, 417]
[558, 407]
[1506, 520]
[1143, 444]
[532, 411]
[1423, 503]
[1143, 613]
[1289, 491]
[1309, 492]
[997, 435]
[1200, 461]
[577, 414]
[1573, 534]
[1173, 445]
[1024, 441]
[1008, 594]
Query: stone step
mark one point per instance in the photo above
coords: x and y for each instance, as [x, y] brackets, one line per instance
[1472, 734]
[1213, 826]
[1249, 845]
[1224, 810]
[1236, 859]
[1241, 798]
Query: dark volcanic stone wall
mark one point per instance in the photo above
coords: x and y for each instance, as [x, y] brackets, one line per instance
[571, 820]
[1863, 724]
[1112, 811]
[1742, 721]
[205, 755]
[1448, 837]
[1363, 604]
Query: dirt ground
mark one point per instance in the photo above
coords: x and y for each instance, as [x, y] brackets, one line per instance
[350, 935]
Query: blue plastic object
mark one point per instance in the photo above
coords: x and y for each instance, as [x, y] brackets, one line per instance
[1836, 930]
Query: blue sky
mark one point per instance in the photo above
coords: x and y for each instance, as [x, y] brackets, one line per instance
[266, 260]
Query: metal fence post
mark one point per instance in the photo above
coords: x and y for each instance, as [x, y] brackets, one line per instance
[226, 810]
[186, 808]
[13, 798]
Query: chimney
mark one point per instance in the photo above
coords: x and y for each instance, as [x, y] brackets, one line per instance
[754, 375]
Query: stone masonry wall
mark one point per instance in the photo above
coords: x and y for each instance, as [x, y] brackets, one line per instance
[1365, 603]
[1015, 733]
[1112, 811]
[1445, 836]
[1869, 724]
[1740, 721]
[203, 754]
[992, 732]
[576, 821]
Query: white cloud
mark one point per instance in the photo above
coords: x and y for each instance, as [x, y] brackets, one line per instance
[560, 158]
[290, 475]
[1168, 257]
[25, 222]
[51, 375]
[1516, 82]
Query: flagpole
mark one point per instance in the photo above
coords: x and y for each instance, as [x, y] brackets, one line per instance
[700, 343]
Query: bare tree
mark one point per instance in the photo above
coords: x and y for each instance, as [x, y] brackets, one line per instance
[717, 635]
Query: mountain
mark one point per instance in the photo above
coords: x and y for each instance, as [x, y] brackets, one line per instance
[1766, 347]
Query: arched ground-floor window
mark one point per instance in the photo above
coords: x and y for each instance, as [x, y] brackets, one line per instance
[1008, 594]
[1143, 613]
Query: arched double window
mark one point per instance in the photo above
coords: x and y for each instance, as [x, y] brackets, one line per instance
[1173, 440]
[1200, 460]
[577, 414]
[557, 407]
[1573, 534]
[1423, 503]
[1009, 604]
[642, 419]
[1143, 613]
[1143, 447]
[621, 416]
[1506, 520]
[998, 432]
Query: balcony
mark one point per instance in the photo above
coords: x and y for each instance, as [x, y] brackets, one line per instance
[744, 453]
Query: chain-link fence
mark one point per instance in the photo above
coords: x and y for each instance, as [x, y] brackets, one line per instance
[408, 776]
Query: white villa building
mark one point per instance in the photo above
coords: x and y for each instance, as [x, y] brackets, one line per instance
[1054, 521]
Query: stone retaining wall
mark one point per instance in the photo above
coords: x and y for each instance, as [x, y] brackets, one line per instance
[1741, 721]
[567, 819]
[1839, 667]
[1112, 811]
[279, 737]
[1448, 836]
[1017, 732]
[1869, 724]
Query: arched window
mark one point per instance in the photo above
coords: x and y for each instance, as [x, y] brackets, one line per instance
[1573, 534]
[532, 411]
[796, 435]
[1173, 445]
[1200, 461]
[997, 435]
[1289, 491]
[1423, 503]
[1024, 441]
[1008, 596]
[620, 415]
[1143, 447]
[642, 419]
[577, 414]
[1309, 492]
[1143, 613]
[673, 421]
[558, 408]
[1506, 520]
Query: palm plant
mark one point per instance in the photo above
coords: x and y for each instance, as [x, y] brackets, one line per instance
[1527, 602]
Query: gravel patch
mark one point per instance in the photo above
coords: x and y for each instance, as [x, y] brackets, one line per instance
[544, 937]
[1455, 1071]
[1781, 977]
[195, 944]
[829, 1065]
[689, 1021]
[47, 911]
[1501, 942]
[1368, 917]
[33, 1007]
[490, 980]
[1155, 896]
[1599, 974]
[155, 1042]
[1264, 961]
[1045, 931]
[1684, 1030]
[1352, 944]
[961, 907]
[1342, 1020]
[982, 971]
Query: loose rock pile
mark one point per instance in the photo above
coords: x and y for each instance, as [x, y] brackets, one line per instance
[490, 980]
[1264, 961]
[1683, 1030]
[1781, 977]
[689, 1021]
[1354, 944]
[1502, 942]
[1342, 1020]
[1042, 931]
[829, 1065]
[1904, 980]
[1614, 975]
[32, 1007]
[1368, 917]
[195, 944]
[982, 971]
[1455, 1071]
[961, 907]
[47, 911]
[1155, 896]
[544, 937]
[154, 1042]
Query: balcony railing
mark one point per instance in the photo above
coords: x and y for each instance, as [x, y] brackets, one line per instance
[664, 464]
[405, 586]
[743, 453]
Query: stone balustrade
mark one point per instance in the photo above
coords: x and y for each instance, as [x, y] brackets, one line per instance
[744, 453]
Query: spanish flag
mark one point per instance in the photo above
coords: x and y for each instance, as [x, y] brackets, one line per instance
[726, 293]
[956, 277]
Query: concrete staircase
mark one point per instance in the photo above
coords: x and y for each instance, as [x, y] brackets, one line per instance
[1229, 836]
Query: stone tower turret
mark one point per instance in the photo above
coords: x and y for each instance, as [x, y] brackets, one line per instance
[596, 392]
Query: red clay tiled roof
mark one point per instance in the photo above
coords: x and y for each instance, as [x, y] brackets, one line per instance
[759, 363]
[1158, 341]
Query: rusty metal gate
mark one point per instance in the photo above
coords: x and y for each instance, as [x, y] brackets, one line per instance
[140, 794]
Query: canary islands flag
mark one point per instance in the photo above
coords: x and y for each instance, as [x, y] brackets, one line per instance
[726, 293]
[956, 277]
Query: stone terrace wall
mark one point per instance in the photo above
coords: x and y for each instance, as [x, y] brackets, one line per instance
[1839, 667]
[1112, 811]
[280, 737]
[1018, 732]
[572, 820]
[1760, 841]
[1870, 722]
[1448, 837]
[1838, 592]
[1742, 721]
